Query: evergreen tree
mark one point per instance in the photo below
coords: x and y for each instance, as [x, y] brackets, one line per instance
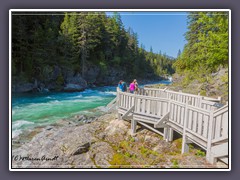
[207, 42]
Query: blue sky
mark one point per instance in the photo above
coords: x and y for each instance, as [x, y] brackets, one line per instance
[164, 31]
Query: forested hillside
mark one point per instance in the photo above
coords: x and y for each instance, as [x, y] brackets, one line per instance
[203, 64]
[71, 51]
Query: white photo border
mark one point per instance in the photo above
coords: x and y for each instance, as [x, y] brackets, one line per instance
[113, 10]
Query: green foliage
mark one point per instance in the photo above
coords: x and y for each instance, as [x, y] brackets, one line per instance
[125, 145]
[103, 68]
[175, 163]
[78, 39]
[200, 153]
[146, 152]
[224, 78]
[116, 60]
[119, 161]
[207, 44]
[60, 80]
[178, 143]
[203, 92]
[14, 69]
[132, 139]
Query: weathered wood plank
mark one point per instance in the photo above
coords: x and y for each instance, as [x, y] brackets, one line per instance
[175, 113]
[205, 125]
[158, 108]
[128, 112]
[143, 105]
[151, 128]
[225, 125]
[197, 140]
[221, 139]
[161, 121]
[190, 119]
[199, 122]
[217, 127]
[165, 105]
[138, 105]
[171, 110]
[142, 118]
[133, 126]
[194, 128]
[220, 150]
[148, 106]
[221, 110]
[182, 115]
[179, 113]
[185, 147]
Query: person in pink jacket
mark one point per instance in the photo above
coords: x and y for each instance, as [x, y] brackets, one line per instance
[132, 87]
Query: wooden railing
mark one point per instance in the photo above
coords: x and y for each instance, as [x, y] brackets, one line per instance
[220, 125]
[151, 106]
[194, 100]
[195, 117]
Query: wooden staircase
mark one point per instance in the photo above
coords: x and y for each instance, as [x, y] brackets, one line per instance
[195, 117]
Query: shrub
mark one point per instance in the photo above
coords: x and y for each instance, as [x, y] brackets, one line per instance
[200, 153]
[118, 160]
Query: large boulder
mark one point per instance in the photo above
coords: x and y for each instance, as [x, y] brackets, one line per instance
[111, 77]
[75, 83]
[77, 79]
[23, 87]
[73, 88]
[51, 73]
[92, 73]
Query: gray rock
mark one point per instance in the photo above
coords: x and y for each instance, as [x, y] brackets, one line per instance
[93, 146]
[92, 73]
[73, 88]
[80, 117]
[82, 149]
[56, 72]
[77, 79]
[25, 87]
[102, 153]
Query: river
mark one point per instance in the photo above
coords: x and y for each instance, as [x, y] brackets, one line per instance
[42, 109]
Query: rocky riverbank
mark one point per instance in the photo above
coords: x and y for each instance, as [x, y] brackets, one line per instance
[103, 142]
[55, 78]
[215, 85]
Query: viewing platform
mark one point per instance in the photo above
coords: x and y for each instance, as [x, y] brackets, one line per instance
[200, 120]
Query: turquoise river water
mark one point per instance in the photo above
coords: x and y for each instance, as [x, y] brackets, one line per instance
[40, 109]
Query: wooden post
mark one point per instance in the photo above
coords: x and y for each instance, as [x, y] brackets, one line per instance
[179, 96]
[165, 133]
[133, 127]
[213, 108]
[119, 116]
[185, 147]
[209, 156]
[200, 101]
[170, 134]
[220, 99]
[117, 98]
[169, 130]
